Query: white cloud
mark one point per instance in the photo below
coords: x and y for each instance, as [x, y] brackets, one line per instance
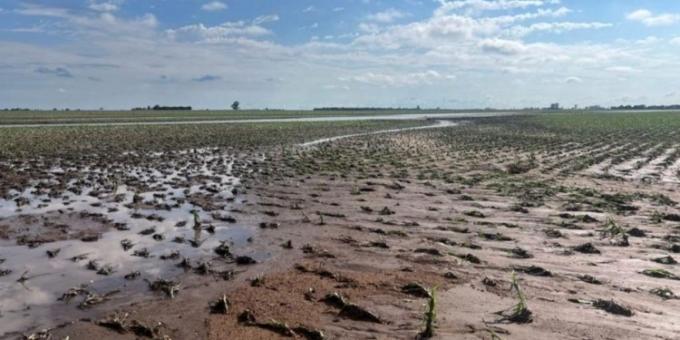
[621, 69]
[648, 40]
[225, 32]
[484, 44]
[369, 28]
[501, 46]
[556, 27]
[105, 21]
[648, 18]
[398, 79]
[103, 7]
[33, 29]
[33, 10]
[387, 16]
[336, 87]
[263, 19]
[488, 5]
[149, 20]
[639, 15]
[447, 29]
[214, 6]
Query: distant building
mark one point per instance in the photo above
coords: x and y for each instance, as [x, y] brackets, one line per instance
[555, 106]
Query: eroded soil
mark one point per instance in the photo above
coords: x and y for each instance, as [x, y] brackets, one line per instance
[349, 237]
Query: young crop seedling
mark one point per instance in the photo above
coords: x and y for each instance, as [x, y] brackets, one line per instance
[221, 306]
[430, 315]
[321, 221]
[616, 234]
[197, 220]
[520, 312]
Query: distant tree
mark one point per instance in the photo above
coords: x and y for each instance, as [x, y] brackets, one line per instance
[235, 105]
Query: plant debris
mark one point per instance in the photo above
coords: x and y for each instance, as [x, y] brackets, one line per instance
[170, 288]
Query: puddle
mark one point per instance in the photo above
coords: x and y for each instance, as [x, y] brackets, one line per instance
[438, 124]
[162, 198]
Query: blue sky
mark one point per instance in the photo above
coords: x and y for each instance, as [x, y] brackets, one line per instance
[119, 54]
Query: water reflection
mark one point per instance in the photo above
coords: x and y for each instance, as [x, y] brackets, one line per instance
[160, 199]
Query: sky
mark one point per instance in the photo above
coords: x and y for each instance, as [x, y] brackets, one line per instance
[300, 54]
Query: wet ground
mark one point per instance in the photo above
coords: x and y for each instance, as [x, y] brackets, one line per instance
[436, 124]
[104, 231]
[410, 116]
[79, 238]
[348, 237]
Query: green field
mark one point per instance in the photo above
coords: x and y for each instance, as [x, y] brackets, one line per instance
[550, 143]
[587, 122]
[80, 141]
[549, 133]
[67, 117]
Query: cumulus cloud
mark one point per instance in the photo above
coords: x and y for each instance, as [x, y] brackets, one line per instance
[215, 34]
[214, 6]
[447, 29]
[648, 18]
[556, 27]
[385, 61]
[501, 46]
[387, 16]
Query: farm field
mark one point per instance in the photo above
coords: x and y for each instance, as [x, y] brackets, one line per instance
[544, 226]
[170, 116]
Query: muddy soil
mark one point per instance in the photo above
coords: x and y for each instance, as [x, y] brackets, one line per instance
[354, 255]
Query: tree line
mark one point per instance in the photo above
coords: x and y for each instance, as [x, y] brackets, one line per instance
[162, 108]
[364, 108]
[646, 107]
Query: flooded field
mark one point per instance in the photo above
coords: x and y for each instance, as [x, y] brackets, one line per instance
[84, 235]
[289, 118]
[349, 169]
[554, 226]
[102, 233]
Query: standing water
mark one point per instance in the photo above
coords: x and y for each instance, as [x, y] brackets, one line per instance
[71, 243]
